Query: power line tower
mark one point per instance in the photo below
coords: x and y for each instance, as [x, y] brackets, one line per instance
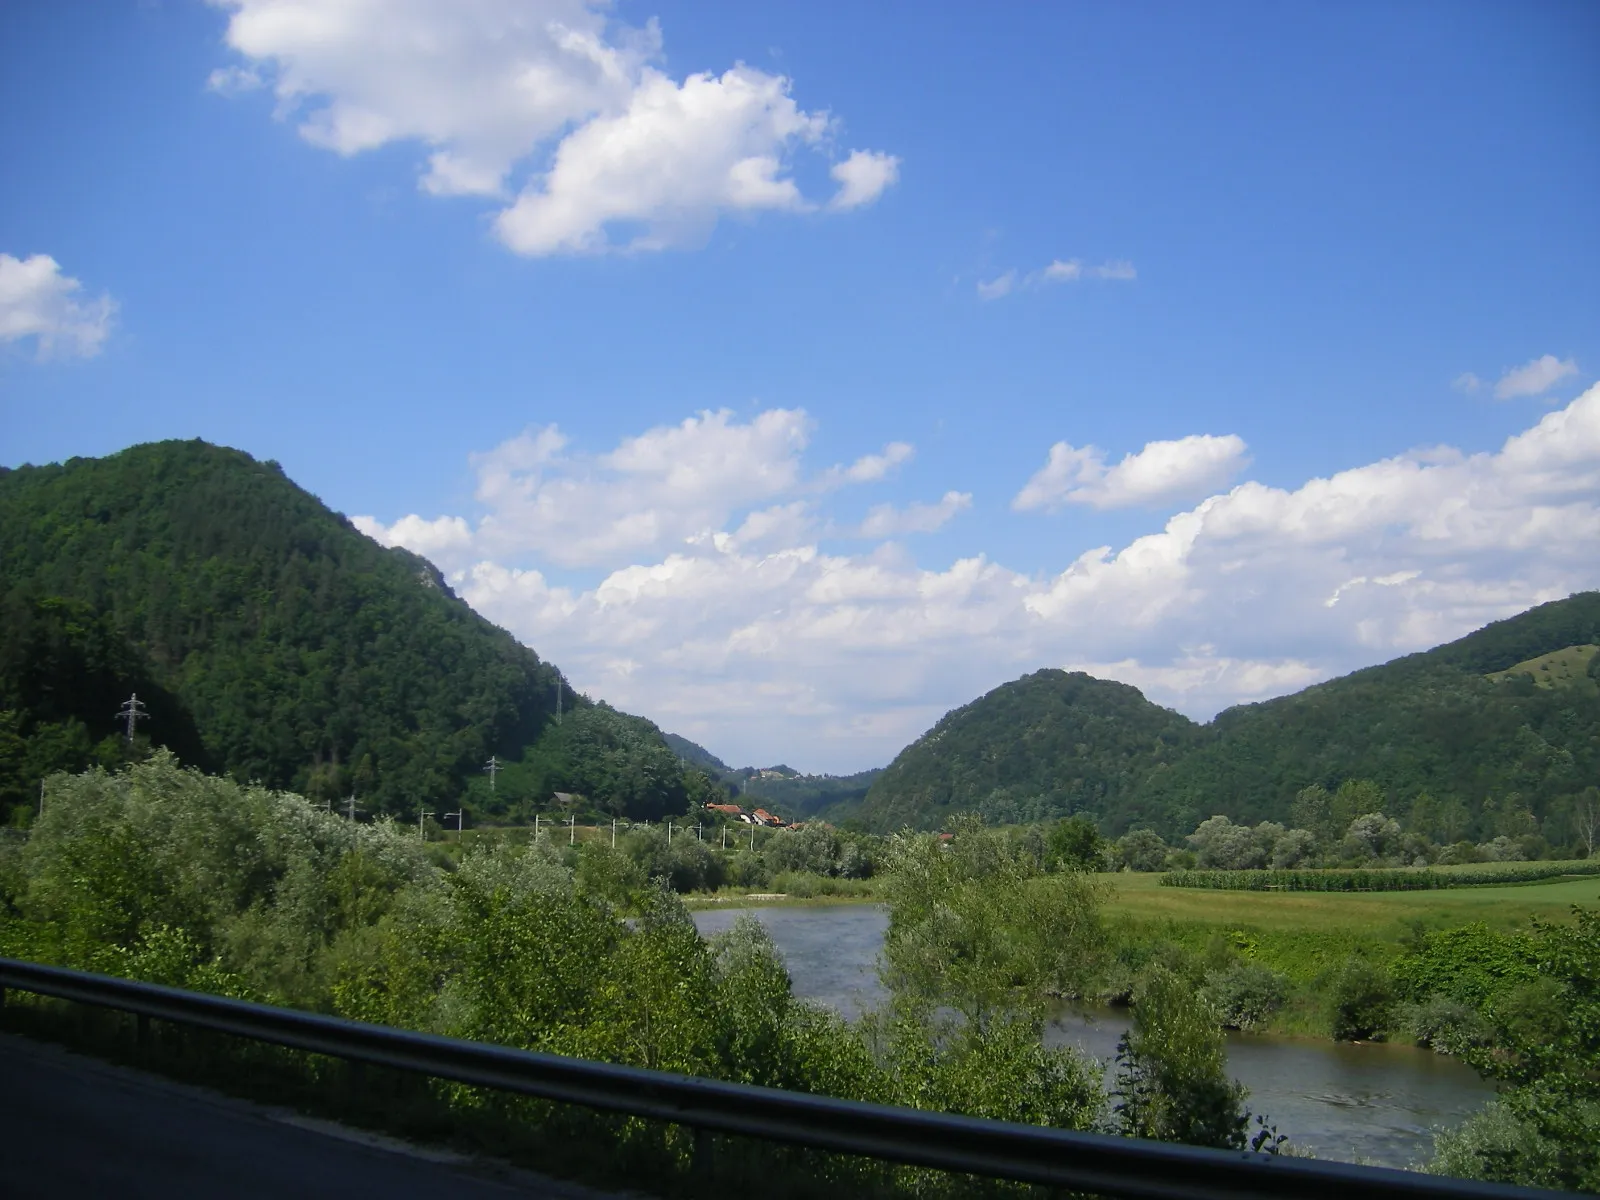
[459, 818]
[132, 711]
[494, 768]
[350, 809]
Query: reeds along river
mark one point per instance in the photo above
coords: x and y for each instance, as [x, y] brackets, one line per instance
[1360, 1103]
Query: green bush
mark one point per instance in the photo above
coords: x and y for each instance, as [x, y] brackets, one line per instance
[1444, 1024]
[1245, 994]
[1361, 996]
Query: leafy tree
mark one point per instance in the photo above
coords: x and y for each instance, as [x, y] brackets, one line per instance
[974, 925]
[1172, 1070]
[1142, 850]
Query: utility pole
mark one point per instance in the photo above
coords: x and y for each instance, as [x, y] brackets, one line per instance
[458, 816]
[724, 837]
[558, 699]
[697, 836]
[669, 833]
[350, 809]
[536, 827]
[422, 823]
[613, 819]
[572, 829]
[132, 711]
[493, 767]
[41, 803]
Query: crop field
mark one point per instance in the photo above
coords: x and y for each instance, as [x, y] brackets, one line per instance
[1385, 915]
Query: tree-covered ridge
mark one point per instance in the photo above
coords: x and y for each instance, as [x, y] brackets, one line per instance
[1050, 743]
[274, 641]
[1433, 724]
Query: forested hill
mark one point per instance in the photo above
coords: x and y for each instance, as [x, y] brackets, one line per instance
[1482, 721]
[272, 640]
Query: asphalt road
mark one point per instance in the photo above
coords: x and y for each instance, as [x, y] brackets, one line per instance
[75, 1127]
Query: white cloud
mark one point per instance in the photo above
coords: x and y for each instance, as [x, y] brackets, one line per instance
[37, 301]
[1467, 382]
[1534, 378]
[887, 521]
[997, 287]
[1160, 473]
[611, 152]
[863, 177]
[652, 492]
[869, 468]
[1119, 269]
[770, 648]
[1061, 270]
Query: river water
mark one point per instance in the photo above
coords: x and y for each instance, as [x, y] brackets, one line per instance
[1359, 1103]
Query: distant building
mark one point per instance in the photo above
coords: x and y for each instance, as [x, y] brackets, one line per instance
[567, 799]
[727, 810]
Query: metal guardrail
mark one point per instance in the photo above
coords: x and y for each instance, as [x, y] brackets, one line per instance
[1109, 1166]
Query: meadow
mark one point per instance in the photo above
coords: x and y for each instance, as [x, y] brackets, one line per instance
[1387, 916]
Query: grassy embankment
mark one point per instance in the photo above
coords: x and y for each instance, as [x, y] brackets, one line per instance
[1305, 936]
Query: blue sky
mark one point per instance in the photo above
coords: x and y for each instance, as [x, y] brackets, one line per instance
[719, 350]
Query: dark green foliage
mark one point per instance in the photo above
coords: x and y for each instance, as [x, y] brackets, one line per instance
[1245, 995]
[1074, 844]
[1172, 1071]
[1543, 1045]
[1365, 880]
[1361, 999]
[1051, 743]
[273, 641]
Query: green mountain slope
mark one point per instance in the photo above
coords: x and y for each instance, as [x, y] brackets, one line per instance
[1439, 722]
[272, 640]
[1049, 743]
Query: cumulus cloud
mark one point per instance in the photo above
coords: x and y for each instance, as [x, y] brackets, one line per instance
[862, 178]
[1160, 473]
[772, 648]
[651, 492]
[549, 104]
[37, 301]
[1534, 378]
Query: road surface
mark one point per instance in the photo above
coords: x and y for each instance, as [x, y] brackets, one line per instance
[75, 1127]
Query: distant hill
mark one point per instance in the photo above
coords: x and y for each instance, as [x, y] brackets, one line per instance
[800, 797]
[1469, 720]
[695, 755]
[272, 640]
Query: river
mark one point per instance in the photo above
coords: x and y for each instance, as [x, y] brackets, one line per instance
[1359, 1103]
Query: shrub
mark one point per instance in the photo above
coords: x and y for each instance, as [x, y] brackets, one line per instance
[1245, 994]
[1362, 997]
[1445, 1025]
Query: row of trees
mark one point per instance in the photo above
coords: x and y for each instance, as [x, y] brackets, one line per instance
[1350, 828]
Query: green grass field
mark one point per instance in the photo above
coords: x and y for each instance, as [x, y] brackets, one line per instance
[1386, 915]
